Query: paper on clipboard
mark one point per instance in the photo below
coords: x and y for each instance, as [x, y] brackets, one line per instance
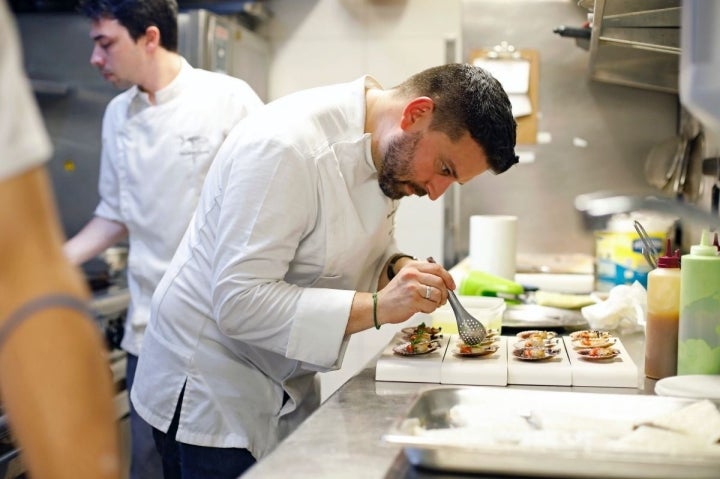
[514, 75]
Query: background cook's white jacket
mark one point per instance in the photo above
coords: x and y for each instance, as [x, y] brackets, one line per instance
[290, 223]
[153, 164]
[23, 139]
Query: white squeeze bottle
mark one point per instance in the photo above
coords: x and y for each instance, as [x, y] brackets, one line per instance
[663, 314]
[699, 331]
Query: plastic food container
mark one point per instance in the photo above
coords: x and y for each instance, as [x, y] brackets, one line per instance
[488, 310]
[618, 249]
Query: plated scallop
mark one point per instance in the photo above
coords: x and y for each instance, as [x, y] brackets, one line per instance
[536, 334]
[492, 333]
[535, 354]
[421, 332]
[466, 350]
[415, 348]
[488, 340]
[599, 354]
[587, 343]
[534, 342]
[590, 334]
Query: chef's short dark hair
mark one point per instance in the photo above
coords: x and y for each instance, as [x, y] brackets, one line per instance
[468, 98]
[137, 16]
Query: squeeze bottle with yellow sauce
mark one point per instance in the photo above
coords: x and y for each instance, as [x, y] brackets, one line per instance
[699, 331]
[663, 313]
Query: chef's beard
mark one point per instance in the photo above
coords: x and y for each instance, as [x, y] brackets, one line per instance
[396, 164]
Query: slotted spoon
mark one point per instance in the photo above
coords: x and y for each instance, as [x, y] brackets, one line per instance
[470, 329]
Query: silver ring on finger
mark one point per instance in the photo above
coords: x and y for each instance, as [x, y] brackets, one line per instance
[428, 290]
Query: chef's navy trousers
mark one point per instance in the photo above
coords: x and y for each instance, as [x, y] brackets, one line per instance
[145, 462]
[185, 461]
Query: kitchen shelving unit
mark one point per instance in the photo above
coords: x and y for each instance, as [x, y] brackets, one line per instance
[636, 43]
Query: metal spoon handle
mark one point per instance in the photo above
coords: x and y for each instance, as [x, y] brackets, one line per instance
[470, 329]
[454, 302]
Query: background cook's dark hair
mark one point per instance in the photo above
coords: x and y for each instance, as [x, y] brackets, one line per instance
[468, 98]
[137, 16]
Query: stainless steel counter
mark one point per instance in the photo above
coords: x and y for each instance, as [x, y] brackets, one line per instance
[344, 436]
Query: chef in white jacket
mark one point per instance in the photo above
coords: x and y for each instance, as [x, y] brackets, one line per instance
[291, 251]
[159, 137]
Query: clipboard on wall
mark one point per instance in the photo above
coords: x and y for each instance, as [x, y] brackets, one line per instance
[519, 73]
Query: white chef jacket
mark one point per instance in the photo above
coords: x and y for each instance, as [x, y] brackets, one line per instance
[154, 161]
[290, 224]
[24, 143]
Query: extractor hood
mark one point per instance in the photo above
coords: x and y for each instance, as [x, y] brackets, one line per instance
[253, 8]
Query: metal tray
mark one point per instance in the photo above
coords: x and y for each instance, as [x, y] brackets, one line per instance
[443, 452]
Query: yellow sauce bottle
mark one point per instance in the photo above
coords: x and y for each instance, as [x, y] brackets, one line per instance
[663, 313]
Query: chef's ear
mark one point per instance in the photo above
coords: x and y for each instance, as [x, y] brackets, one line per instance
[152, 37]
[417, 109]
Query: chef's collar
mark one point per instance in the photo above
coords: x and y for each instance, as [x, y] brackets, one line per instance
[367, 82]
[175, 87]
[141, 99]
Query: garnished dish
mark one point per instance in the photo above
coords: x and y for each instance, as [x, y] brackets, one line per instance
[411, 348]
[466, 350]
[590, 334]
[587, 343]
[492, 334]
[535, 334]
[599, 354]
[536, 343]
[535, 354]
[487, 341]
[421, 332]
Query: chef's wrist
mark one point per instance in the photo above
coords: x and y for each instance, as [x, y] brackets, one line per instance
[376, 323]
[393, 267]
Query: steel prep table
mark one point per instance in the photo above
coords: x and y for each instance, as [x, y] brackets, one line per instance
[343, 438]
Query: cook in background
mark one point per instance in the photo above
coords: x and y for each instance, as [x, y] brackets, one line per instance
[56, 386]
[159, 138]
[292, 235]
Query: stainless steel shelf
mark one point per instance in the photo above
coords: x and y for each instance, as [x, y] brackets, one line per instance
[636, 44]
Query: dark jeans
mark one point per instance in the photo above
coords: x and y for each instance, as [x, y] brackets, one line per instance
[185, 461]
[145, 462]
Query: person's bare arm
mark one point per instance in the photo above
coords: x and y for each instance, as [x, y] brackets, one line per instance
[95, 237]
[55, 382]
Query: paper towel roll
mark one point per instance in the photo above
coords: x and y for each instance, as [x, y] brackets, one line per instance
[493, 244]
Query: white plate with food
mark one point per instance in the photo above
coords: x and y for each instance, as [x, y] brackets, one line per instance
[492, 333]
[421, 331]
[536, 343]
[489, 340]
[535, 354]
[468, 351]
[599, 354]
[536, 334]
[590, 334]
[409, 348]
[590, 343]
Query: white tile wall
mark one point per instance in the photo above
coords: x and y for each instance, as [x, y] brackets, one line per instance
[317, 42]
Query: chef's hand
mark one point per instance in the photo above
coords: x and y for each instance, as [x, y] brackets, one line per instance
[418, 287]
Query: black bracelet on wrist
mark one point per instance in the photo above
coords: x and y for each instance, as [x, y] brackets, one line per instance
[391, 265]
